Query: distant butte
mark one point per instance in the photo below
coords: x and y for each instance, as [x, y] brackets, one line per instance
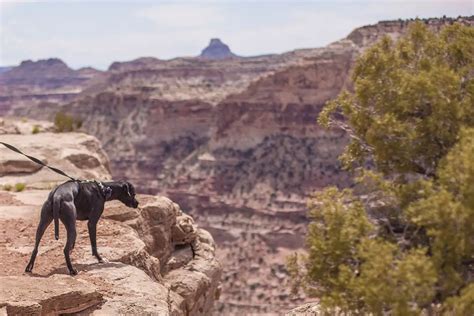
[217, 50]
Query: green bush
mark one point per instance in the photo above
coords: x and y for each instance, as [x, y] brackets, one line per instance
[407, 244]
[7, 187]
[36, 129]
[66, 123]
[19, 187]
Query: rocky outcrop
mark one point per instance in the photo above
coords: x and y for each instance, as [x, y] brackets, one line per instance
[77, 154]
[190, 285]
[158, 260]
[45, 74]
[38, 72]
[23, 295]
[24, 126]
[367, 35]
[306, 309]
[142, 274]
[217, 50]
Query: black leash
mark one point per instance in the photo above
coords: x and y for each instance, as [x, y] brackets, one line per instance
[37, 161]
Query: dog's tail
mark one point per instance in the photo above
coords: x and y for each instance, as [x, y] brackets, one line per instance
[56, 206]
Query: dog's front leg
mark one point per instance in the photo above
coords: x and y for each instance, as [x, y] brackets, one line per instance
[92, 226]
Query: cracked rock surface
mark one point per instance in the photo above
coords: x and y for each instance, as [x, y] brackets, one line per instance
[21, 295]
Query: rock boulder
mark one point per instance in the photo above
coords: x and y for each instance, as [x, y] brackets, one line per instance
[24, 295]
[77, 154]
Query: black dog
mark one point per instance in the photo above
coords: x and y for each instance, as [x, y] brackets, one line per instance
[81, 200]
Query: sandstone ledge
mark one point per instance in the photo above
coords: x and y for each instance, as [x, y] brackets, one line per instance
[22, 295]
[151, 269]
[306, 309]
[77, 154]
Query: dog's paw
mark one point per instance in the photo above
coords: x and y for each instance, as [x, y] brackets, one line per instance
[73, 272]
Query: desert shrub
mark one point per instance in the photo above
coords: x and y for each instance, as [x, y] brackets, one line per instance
[66, 123]
[19, 187]
[78, 123]
[7, 187]
[35, 129]
[407, 244]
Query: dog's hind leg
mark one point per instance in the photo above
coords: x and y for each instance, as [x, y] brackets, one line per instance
[45, 219]
[68, 217]
[92, 226]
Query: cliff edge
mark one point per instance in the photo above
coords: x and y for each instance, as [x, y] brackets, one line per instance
[151, 268]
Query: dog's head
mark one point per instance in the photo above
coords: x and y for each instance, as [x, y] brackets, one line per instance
[127, 194]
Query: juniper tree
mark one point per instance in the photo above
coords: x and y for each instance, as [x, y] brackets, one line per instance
[405, 241]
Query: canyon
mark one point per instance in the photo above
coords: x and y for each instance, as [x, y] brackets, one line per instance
[233, 140]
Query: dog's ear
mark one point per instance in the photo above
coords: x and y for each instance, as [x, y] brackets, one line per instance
[131, 188]
[126, 188]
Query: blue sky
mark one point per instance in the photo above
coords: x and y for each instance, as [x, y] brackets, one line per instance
[96, 33]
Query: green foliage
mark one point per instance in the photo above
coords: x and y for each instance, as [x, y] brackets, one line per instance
[36, 129]
[406, 243]
[66, 123]
[19, 187]
[462, 304]
[447, 215]
[334, 234]
[7, 187]
[410, 99]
